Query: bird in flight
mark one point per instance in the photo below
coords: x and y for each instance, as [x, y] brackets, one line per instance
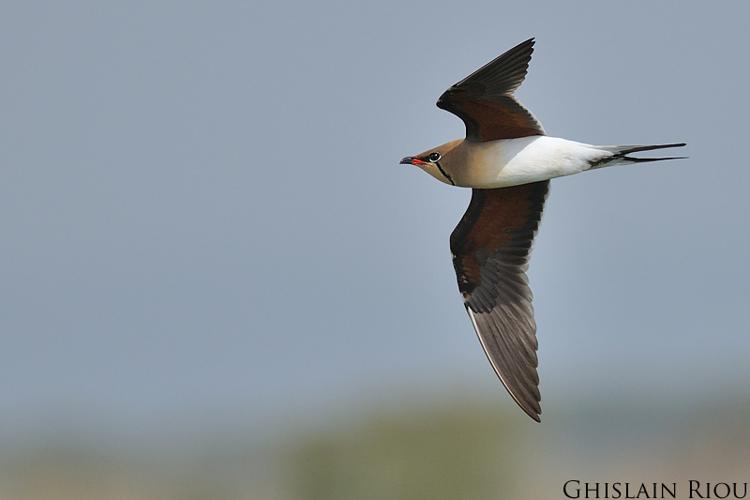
[507, 160]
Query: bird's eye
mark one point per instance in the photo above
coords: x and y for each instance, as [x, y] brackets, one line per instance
[434, 156]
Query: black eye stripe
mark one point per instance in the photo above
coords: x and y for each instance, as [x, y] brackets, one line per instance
[440, 167]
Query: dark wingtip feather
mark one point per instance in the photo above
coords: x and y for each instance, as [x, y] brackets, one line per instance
[533, 411]
[505, 73]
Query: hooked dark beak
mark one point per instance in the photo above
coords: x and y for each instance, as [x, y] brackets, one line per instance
[410, 160]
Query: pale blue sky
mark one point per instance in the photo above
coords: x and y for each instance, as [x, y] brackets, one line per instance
[204, 219]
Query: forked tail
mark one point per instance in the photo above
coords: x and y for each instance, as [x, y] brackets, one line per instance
[620, 154]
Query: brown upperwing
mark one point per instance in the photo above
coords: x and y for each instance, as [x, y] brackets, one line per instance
[490, 249]
[484, 100]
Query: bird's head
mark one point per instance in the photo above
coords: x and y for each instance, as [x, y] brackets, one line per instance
[436, 161]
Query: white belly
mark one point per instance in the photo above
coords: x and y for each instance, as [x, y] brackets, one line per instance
[510, 162]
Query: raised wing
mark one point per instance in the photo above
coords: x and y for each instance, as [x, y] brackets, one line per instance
[491, 248]
[484, 100]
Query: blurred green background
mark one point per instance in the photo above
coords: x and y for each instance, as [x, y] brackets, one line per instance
[216, 282]
[461, 448]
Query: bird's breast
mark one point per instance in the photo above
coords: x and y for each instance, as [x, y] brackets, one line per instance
[511, 162]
